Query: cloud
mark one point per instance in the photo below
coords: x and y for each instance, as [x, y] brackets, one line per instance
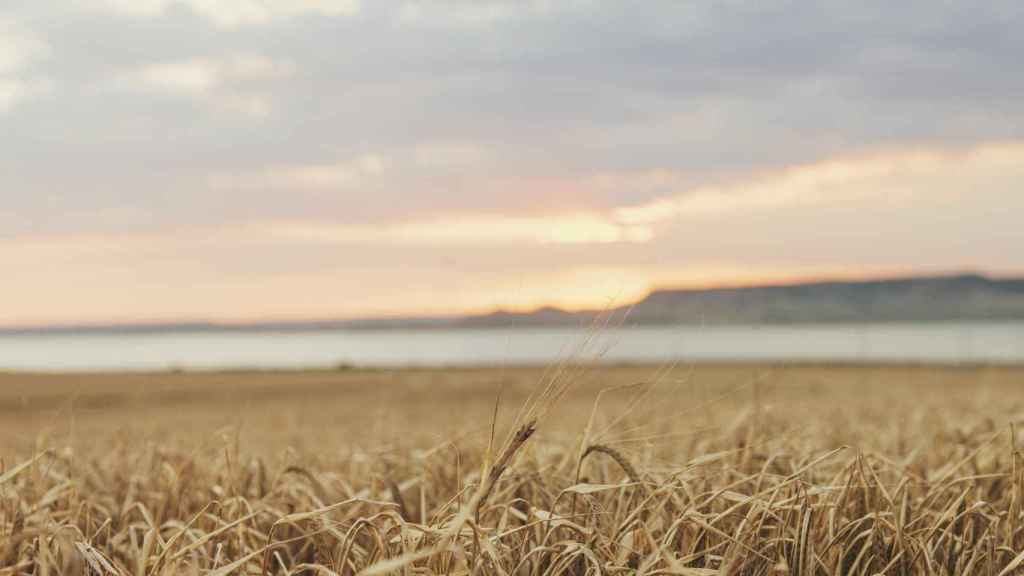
[189, 77]
[202, 75]
[892, 211]
[19, 49]
[474, 13]
[19, 46]
[891, 177]
[928, 180]
[234, 13]
[471, 229]
[662, 119]
[16, 90]
[233, 83]
[445, 155]
[307, 177]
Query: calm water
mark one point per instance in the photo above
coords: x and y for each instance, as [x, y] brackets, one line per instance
[1001, 343]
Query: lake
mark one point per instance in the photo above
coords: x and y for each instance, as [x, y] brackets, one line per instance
[944, 343]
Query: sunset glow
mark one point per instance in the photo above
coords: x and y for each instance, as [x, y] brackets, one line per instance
[320, 173]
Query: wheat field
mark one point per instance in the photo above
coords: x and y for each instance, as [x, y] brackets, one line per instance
[568, 469]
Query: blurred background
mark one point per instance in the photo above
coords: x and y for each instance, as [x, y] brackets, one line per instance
[198, 184]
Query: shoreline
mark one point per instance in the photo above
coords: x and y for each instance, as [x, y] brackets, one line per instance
[379, 368]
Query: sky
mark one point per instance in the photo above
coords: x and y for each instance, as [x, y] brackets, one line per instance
[242, 160]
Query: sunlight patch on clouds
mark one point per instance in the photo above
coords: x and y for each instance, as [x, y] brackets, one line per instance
[890, 177]
[202, 75]
[234, 13]
[231, 83]
[189, 77]
[573, 288]
[19, 49]
[472, 229]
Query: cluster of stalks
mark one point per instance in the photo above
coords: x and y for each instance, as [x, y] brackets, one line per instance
[761, 495]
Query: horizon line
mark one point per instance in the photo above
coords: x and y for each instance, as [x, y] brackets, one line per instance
[413, 317]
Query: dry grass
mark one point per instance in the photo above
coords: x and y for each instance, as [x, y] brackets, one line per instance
[630, 470]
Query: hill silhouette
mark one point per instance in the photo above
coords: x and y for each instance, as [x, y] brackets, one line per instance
[963, 297]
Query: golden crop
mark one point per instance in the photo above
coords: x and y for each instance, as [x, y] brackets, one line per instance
[705, 469]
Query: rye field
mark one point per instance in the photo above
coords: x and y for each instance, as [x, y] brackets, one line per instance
[567, 469]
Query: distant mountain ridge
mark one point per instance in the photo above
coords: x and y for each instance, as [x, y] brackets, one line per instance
[963, 297]
[914, 299]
